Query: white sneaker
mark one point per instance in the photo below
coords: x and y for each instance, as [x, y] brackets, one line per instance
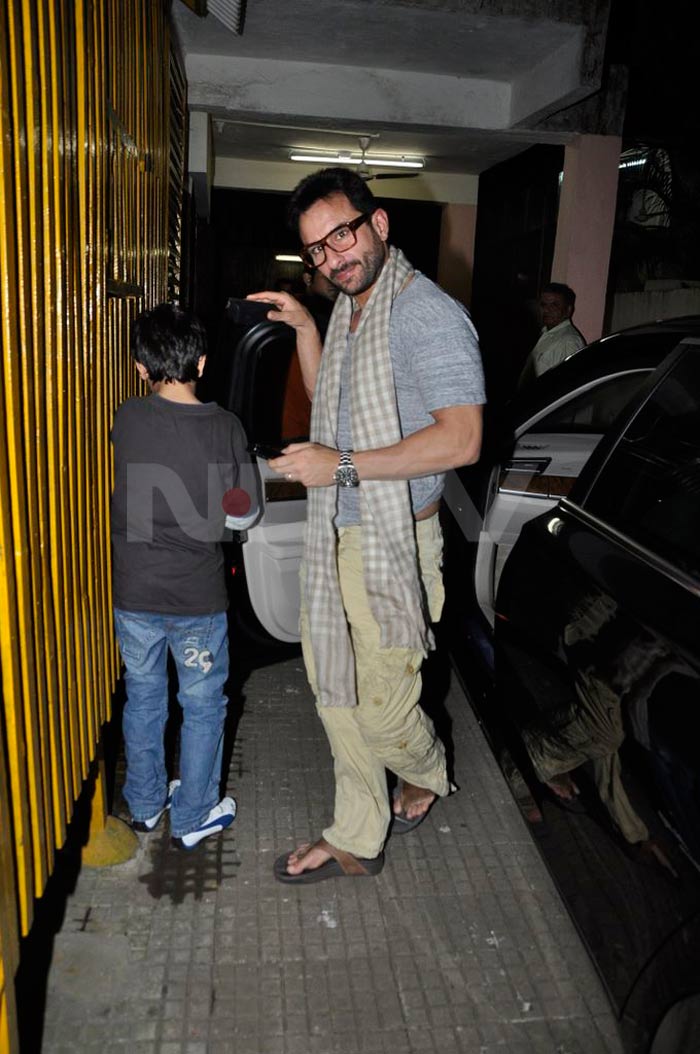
[219, 818]
[152, 822]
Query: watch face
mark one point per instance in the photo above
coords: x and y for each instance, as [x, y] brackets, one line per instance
[346, 476]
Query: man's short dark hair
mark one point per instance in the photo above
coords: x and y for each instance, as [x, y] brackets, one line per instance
[564, 291]
[322, 184]
[169, 342]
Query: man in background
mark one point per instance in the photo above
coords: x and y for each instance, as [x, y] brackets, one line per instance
[319, 297]
[559, 339]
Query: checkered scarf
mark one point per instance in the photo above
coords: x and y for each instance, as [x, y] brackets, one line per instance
[389, 552]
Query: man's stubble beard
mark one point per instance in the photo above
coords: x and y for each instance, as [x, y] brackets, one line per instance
[371, 263]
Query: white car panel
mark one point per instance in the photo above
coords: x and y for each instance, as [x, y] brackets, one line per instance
[272, 555]
[531, 482]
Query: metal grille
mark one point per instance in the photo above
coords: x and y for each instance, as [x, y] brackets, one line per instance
[178, 153]
[230, 12]
[85, 167]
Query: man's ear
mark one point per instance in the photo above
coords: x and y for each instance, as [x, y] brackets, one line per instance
[380, 222]
[142, 371]
[200, 365]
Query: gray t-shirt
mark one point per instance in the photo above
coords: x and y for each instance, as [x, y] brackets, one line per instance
[173, 464]
[435, 357]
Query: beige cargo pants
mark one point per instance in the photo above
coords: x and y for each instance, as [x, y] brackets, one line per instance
[387, 729]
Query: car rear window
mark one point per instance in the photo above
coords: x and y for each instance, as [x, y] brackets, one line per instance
[616, 354]
[594, 410]
[649, 489]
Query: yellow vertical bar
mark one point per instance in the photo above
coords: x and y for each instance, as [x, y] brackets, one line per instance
[85, 466]
[99, 220]
[71, 408]
[60, 563]
[45, 389]
[96, 284]
[10, 643]
[100, 94]
[9, 1040]
[61, 511]
[24, 756]
[77, 464]
[32, 368]
[9, 937]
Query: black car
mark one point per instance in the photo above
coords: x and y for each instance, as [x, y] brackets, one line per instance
[597, 696]
[534, 451]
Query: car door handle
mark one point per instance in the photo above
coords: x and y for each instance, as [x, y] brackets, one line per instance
[535, 484]
[523, 476]
[527, 464]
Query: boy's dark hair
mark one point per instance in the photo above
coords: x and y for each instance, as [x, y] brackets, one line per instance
[322, 184]
[564, 291]
[169, 342]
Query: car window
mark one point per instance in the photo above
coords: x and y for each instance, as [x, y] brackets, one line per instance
[280, 410]
[649, 488]
[256, 374]
[595, 409]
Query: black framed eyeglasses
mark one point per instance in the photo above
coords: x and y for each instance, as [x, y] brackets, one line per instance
[340, 239]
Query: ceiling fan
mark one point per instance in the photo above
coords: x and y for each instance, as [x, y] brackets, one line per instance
[364, 169]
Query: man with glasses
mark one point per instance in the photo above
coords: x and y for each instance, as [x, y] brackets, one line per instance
[396, 390]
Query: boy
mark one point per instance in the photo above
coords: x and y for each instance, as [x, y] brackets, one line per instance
[179, 464]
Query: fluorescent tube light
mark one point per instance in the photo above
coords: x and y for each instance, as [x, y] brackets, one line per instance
[288, 258]
[633, 164]
[357, 159]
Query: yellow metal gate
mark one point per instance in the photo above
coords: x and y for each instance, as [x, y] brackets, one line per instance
[86, 142]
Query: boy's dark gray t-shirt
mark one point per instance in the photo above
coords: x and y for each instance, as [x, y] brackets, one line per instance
[173, 463]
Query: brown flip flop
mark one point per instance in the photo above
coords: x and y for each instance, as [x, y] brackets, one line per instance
[402, 824]
[342, 865]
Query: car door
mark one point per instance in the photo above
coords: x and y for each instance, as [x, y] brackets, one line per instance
[598, 678]
[547, 456]
[256, 375]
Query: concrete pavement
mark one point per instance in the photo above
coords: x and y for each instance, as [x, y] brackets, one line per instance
[460, 945]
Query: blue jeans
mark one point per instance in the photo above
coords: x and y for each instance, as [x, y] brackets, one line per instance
[199, 646]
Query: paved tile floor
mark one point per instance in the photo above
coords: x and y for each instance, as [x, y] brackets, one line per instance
[460, 945]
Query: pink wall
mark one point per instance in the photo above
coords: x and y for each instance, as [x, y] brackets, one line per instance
[456, 256]
[585, 226]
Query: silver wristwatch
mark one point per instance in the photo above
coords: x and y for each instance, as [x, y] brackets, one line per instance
[346, 474]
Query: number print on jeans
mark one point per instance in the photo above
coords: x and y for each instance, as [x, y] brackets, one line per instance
[195, 658]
